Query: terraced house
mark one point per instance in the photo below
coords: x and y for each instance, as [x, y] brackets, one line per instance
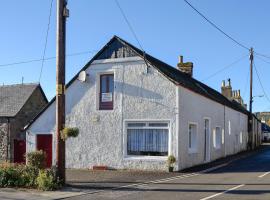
[133, 110]
[19, 104]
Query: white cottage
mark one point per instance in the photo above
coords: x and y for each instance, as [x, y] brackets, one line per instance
[134, 110]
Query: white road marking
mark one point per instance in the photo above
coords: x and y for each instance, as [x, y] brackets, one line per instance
[264, 174]
[218, 194]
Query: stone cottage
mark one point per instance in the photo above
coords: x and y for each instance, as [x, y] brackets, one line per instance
[133, 110]
[19, 104]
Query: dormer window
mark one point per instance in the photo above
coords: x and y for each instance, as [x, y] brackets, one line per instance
[106, 92]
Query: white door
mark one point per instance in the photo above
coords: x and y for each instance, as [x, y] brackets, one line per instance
[206, 140]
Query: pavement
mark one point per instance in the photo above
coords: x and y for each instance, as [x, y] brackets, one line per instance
[245, 176]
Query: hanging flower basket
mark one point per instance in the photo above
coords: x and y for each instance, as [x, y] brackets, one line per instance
[69, 132]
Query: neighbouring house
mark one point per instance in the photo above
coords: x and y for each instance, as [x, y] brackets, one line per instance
[133, 110]
[19, 104]
[265, 132]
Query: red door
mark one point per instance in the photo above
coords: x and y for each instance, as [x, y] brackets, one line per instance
[44, 143]
[19, 151]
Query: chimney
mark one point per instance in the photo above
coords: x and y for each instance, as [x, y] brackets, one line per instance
[226, 90]
[186, 68]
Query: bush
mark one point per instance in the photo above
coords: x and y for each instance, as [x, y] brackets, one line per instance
[47, 180]
[36, 159]
[13, 176]
[69, 132]
[171, 160]
[30, 175]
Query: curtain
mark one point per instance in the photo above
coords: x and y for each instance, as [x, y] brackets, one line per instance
[143, 141]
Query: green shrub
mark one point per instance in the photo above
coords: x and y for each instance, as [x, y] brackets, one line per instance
[12, 176]
[30, 175]
[36, 159]
[171, 160]
[69, 132]
[46, 180]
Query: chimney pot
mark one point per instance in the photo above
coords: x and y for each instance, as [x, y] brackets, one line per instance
[181, 59]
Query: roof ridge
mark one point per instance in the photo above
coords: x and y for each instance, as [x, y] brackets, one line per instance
[20, 84]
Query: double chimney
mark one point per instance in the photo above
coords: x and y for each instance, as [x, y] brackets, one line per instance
[186, 68]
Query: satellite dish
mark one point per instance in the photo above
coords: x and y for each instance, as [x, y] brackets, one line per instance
[82, 76]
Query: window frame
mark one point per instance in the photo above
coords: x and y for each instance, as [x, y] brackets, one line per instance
[105, 105]
[215, 138]
[193, 149]
[147, 121]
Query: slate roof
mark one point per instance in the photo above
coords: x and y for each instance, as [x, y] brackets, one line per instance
[173, 74]
[13, 97]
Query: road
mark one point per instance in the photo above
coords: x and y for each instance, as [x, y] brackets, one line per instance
[245, 179]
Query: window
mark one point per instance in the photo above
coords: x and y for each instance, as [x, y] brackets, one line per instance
[106, 92]
[147, 138]
[241, 137]
[229, 127]
[192, 137]
[217, 137]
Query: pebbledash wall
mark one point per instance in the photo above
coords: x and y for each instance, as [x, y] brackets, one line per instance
[140, 94]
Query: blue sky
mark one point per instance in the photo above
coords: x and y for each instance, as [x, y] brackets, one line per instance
[165, 29]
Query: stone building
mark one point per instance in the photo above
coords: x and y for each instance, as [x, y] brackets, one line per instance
[19, 104]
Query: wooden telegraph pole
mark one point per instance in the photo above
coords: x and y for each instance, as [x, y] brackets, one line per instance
[250, 99]
[62, 13]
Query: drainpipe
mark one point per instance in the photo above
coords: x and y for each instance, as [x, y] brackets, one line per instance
[225, 153]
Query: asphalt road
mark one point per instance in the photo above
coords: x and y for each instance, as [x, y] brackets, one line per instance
[245, 179]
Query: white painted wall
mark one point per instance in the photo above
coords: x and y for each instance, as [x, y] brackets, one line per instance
[193, 109]
[138, 96]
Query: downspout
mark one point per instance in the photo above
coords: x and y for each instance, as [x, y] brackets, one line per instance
[225, 151]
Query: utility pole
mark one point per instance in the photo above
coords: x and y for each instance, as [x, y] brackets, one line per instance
[62, 13]
[251, 79]
[250, 98]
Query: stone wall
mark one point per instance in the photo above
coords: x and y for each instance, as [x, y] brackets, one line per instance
[3, 139]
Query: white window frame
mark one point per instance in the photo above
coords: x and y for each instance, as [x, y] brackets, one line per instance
[195, 148]
[215, 144]
[145, 157]
[241, 137]
[229, 127]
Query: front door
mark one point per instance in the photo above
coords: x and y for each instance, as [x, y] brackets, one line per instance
[19, 151]
[44, 143]
[206, 140]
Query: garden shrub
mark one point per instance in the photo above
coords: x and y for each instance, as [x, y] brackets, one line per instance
[46, 180]
[36, 159]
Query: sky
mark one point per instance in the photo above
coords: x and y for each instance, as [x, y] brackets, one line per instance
[166, 29]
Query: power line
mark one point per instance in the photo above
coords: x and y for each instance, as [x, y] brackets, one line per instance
[48, 58]
[129, 24]
[258, 76]
[226, 67]
[46, 41]
[263, 59]
[216, 27]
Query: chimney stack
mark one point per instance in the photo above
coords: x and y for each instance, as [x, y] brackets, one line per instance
[186, 68]
[226, 90]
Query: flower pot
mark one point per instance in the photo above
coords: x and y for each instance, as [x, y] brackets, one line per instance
[170, 169]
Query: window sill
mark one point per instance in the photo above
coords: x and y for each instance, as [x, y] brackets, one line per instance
[145, 158]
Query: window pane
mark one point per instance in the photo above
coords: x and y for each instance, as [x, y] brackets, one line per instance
[136, 124]
[152, 142]
[111, 84]
[158, 124]
[103, 84]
